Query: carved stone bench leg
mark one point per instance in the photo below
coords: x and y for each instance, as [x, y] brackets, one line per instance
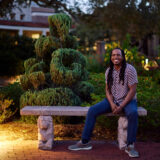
[45, 132]
[122, 132]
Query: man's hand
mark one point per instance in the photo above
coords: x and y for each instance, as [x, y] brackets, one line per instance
[118, 110]
[114, 107]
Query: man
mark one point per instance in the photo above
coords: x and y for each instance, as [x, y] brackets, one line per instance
[121, 83]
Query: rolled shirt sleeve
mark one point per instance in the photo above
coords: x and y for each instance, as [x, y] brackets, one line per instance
[132, 76]
[106, 75]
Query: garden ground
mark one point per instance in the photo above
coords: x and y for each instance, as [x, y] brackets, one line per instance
[19, 141]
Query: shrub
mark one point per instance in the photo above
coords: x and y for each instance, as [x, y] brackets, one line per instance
[6, 110]
[23, 47]
[10, 64]
[83, 90]
[148, 94]
[156, 76]
[95, 63]
[13, 51]
[49, 97]
[9, 96]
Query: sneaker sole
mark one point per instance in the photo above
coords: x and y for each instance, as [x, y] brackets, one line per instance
[78, 149]
[131, 155]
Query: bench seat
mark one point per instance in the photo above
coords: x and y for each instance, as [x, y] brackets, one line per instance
[65, 111]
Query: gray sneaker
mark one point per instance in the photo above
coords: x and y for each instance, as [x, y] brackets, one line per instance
[131, 151]
[80, 146]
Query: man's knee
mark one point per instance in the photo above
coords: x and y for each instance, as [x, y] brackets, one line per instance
[92, 111]
[133, 114]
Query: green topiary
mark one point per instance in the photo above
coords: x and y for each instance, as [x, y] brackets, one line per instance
[83, 89]
[70, 42]
[84, 75]
[37, 67]
[45, 45]
[52, 78]
[37, 79]
[25, 82]
[29, 63]
[28, 98]
[59, 25]
[57, 97]
[48, 97]
[67, 66]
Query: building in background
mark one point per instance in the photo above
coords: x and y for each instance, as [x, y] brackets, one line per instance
[31, 21]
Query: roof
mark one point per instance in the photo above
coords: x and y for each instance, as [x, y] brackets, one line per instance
[38, 9]
[25, 24]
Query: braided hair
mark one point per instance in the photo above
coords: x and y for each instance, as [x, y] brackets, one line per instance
[122, 71]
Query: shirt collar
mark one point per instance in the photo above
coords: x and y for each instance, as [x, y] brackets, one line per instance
[116, 70]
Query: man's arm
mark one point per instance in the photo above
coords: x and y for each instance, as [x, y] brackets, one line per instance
[110, 99]
[128, 98]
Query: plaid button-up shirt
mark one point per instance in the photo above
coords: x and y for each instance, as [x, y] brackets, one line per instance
[118, 90]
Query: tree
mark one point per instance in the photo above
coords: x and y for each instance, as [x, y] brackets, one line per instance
[6, 6]
[59, 5]
[140, 19]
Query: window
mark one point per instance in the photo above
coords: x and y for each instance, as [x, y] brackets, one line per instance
[22, 17]
[12, 16]
[35, 35]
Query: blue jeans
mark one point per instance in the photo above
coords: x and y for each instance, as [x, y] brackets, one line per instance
[104, 107]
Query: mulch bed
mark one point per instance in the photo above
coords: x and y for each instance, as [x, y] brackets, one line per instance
[17, 129]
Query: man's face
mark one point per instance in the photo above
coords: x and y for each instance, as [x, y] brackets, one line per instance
[116, 57]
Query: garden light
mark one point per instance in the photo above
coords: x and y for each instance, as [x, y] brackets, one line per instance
[146, 61]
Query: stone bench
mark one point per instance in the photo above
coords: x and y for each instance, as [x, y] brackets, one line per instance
[45, 122]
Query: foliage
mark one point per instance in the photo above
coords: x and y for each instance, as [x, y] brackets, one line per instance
[25, 82]
[45, 45]
[94, 64]
[83, 90]
[156, 76]
[37, 67]
[13, 51]
[29, 63]
[70, 42]
[57, 76]
[5, 110]
[59, 25]
[67, 66]
[37, 79]
[49, 97]
[23, 47]
[9, 98]
[148, 94]
[138, 18]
